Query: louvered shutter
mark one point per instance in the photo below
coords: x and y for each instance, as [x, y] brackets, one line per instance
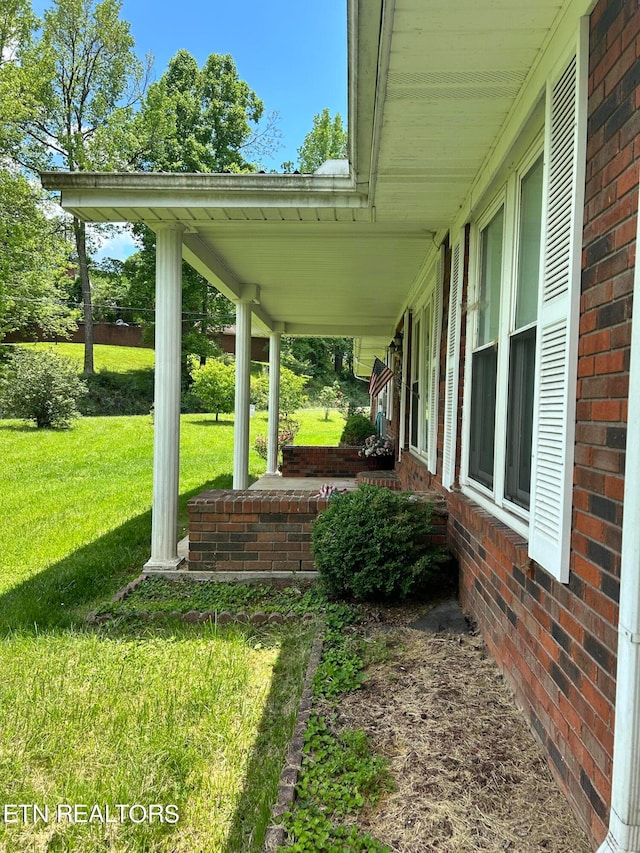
[434, 366]
[453, 352]
[558, 314]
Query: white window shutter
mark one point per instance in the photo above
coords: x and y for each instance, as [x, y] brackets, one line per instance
[452, 367]
[558, 316]
[434, 365]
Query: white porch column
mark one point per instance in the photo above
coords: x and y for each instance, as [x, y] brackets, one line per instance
[274, 402]
[243, 376]
[624, 819]
[166, 433]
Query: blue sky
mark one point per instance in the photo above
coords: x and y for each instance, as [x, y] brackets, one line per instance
[293, 53]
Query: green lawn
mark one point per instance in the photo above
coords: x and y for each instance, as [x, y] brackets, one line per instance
[113, 358]
[135, 713]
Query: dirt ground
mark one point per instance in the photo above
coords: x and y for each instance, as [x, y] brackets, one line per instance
[467, 772]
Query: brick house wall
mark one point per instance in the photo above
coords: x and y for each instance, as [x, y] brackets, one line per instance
[556, 643]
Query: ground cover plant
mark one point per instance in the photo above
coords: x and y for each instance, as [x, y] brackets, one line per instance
[340, 775]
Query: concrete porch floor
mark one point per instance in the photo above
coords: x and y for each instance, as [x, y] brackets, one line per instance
[278, 483]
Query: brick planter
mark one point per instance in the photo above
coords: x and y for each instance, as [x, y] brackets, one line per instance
[312, 461]
[252, 530]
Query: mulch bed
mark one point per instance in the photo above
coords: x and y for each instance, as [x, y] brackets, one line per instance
[468, 774]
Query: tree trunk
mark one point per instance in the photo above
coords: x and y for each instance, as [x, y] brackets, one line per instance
[79, 229]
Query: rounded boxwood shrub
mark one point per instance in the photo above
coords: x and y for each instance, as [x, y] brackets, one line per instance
[356, 429]
[371, 544]
[43, 387]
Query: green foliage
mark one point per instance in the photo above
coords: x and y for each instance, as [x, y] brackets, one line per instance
[356, 430]
[287, 431]
[329, 398]
[32, 262]
[207, 116]
[112, 393]
[292, 394]
[214, 383]
[371, 543]
[42, 387]
[327, 140]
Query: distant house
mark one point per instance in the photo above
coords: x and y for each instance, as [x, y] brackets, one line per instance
[485, 226]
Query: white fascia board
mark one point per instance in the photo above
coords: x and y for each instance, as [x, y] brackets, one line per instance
[158, 190]
[340, 330]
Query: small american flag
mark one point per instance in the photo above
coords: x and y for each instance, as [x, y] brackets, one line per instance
[380, 376]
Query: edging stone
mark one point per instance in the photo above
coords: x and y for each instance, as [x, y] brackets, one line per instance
[275, 834]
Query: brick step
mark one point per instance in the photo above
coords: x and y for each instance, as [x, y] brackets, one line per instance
[389, 479]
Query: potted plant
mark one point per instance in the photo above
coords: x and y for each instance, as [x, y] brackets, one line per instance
[378, 451]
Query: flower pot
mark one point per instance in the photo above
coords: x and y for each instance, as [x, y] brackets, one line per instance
[379, 463]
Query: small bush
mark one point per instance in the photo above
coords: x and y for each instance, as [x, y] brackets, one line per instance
[356, 430]
[287, 431]
[215, 384]
[371, 544]
[42, 387]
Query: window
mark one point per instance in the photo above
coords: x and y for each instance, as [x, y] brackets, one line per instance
[425, 363]
[503, 356]
[522, 330]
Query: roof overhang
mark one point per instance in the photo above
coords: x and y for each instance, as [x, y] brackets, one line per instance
[436, 96]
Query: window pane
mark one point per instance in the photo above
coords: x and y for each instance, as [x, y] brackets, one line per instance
[490, 280]
[415, 387]
[520, 417]
[483, 415]
[529, 249]
[427, 372]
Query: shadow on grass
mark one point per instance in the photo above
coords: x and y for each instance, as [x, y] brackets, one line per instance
[253, 811]
[211, 422]
[60, 595]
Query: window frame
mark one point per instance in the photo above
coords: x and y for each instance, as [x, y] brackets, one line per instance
[509, 197]
[427, 356]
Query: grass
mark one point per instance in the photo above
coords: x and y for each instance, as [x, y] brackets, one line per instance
[79, 503]
[112, 358]
[180, 716]
[134, 712]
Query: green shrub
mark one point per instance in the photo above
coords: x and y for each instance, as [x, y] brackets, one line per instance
[356, 429]
[42, 387]
[371, 544]
[215, 384]
[292, 394]
[111, 393]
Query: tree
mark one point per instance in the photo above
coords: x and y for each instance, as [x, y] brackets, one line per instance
[327, 140]
[17, 23]
[33, 267]
[85, 79]
[199, 120]
[292, 394]
[210, 116]
[215, 383]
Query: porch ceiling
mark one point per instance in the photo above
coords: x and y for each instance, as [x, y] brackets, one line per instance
[430, 87]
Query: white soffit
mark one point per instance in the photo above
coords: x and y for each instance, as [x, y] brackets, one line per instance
[454, 71]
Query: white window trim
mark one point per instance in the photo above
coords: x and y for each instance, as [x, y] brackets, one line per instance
[428, 299]
[556, 562]
[508, 198]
